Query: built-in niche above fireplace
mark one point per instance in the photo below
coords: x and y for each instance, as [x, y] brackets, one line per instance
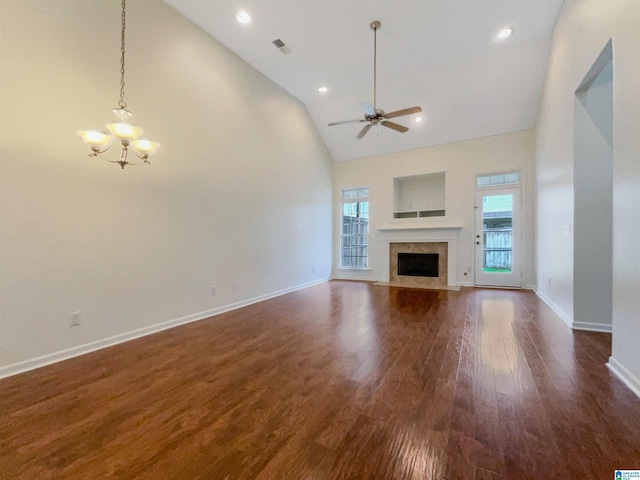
[419, 196]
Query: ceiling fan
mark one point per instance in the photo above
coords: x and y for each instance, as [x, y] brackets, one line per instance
[372, 114]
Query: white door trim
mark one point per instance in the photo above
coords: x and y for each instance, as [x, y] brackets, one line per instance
[511, 279]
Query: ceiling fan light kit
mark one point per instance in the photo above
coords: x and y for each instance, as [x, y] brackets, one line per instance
[372, 114]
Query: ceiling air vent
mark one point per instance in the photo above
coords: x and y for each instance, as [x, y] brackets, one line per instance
[280, 45]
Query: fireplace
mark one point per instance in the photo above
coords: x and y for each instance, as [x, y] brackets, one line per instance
[421, 238]
[418, 264]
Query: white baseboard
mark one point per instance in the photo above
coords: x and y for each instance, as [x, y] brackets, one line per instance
[586, 326]
[465, 284]
[55, 357]
[592, 327]
[346, 276]
[628, 378]
[565, 318]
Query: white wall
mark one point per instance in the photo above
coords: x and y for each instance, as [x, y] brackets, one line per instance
[462, 161]
[582, 31]
[240, 189]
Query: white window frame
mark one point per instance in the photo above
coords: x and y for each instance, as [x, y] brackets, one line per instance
[498, 184]
[358, 240]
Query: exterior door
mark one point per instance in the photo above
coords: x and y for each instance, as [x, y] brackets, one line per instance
[498, 238]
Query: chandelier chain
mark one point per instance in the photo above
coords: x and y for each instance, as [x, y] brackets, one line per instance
[122, 103]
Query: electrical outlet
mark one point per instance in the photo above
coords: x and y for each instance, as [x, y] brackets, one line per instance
[234, 285]
[213, 290]
[74, 319]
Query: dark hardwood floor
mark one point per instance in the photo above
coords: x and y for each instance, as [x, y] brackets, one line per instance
[343, 380]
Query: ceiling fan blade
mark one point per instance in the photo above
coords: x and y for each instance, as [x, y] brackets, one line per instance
[346, 121]
[406, 111]
[368, 109]
[395, 126]
[364, 131]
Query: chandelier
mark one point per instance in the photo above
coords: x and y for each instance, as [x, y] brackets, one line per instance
[122, 130]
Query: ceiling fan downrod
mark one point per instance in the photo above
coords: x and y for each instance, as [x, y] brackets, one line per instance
[375, 26]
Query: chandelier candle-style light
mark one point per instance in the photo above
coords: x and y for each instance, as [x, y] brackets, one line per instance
[122, 130]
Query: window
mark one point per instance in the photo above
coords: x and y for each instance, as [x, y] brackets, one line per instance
[354, 236]
[511, 178]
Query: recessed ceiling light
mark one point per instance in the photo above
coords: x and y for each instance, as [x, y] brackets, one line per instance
[323, 89]
[505, 32]
[243, 17]
[418, 119]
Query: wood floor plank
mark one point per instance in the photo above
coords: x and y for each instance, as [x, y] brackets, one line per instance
[343, 380]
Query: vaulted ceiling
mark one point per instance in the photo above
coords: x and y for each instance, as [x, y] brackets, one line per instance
[443, 55]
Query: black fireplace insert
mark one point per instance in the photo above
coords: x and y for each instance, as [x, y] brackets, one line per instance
[418, 264]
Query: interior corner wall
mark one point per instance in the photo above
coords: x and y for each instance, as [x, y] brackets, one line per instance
[583, 29]
[240, 189]
[462, 161]
[593, 197]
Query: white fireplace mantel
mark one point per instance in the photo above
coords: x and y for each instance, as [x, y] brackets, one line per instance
[424, 233]
[414, 226]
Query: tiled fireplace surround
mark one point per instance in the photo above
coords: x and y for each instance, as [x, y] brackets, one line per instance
[441, 240]
[419, 247]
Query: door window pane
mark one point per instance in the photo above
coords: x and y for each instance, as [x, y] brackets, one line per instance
[497, 233]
